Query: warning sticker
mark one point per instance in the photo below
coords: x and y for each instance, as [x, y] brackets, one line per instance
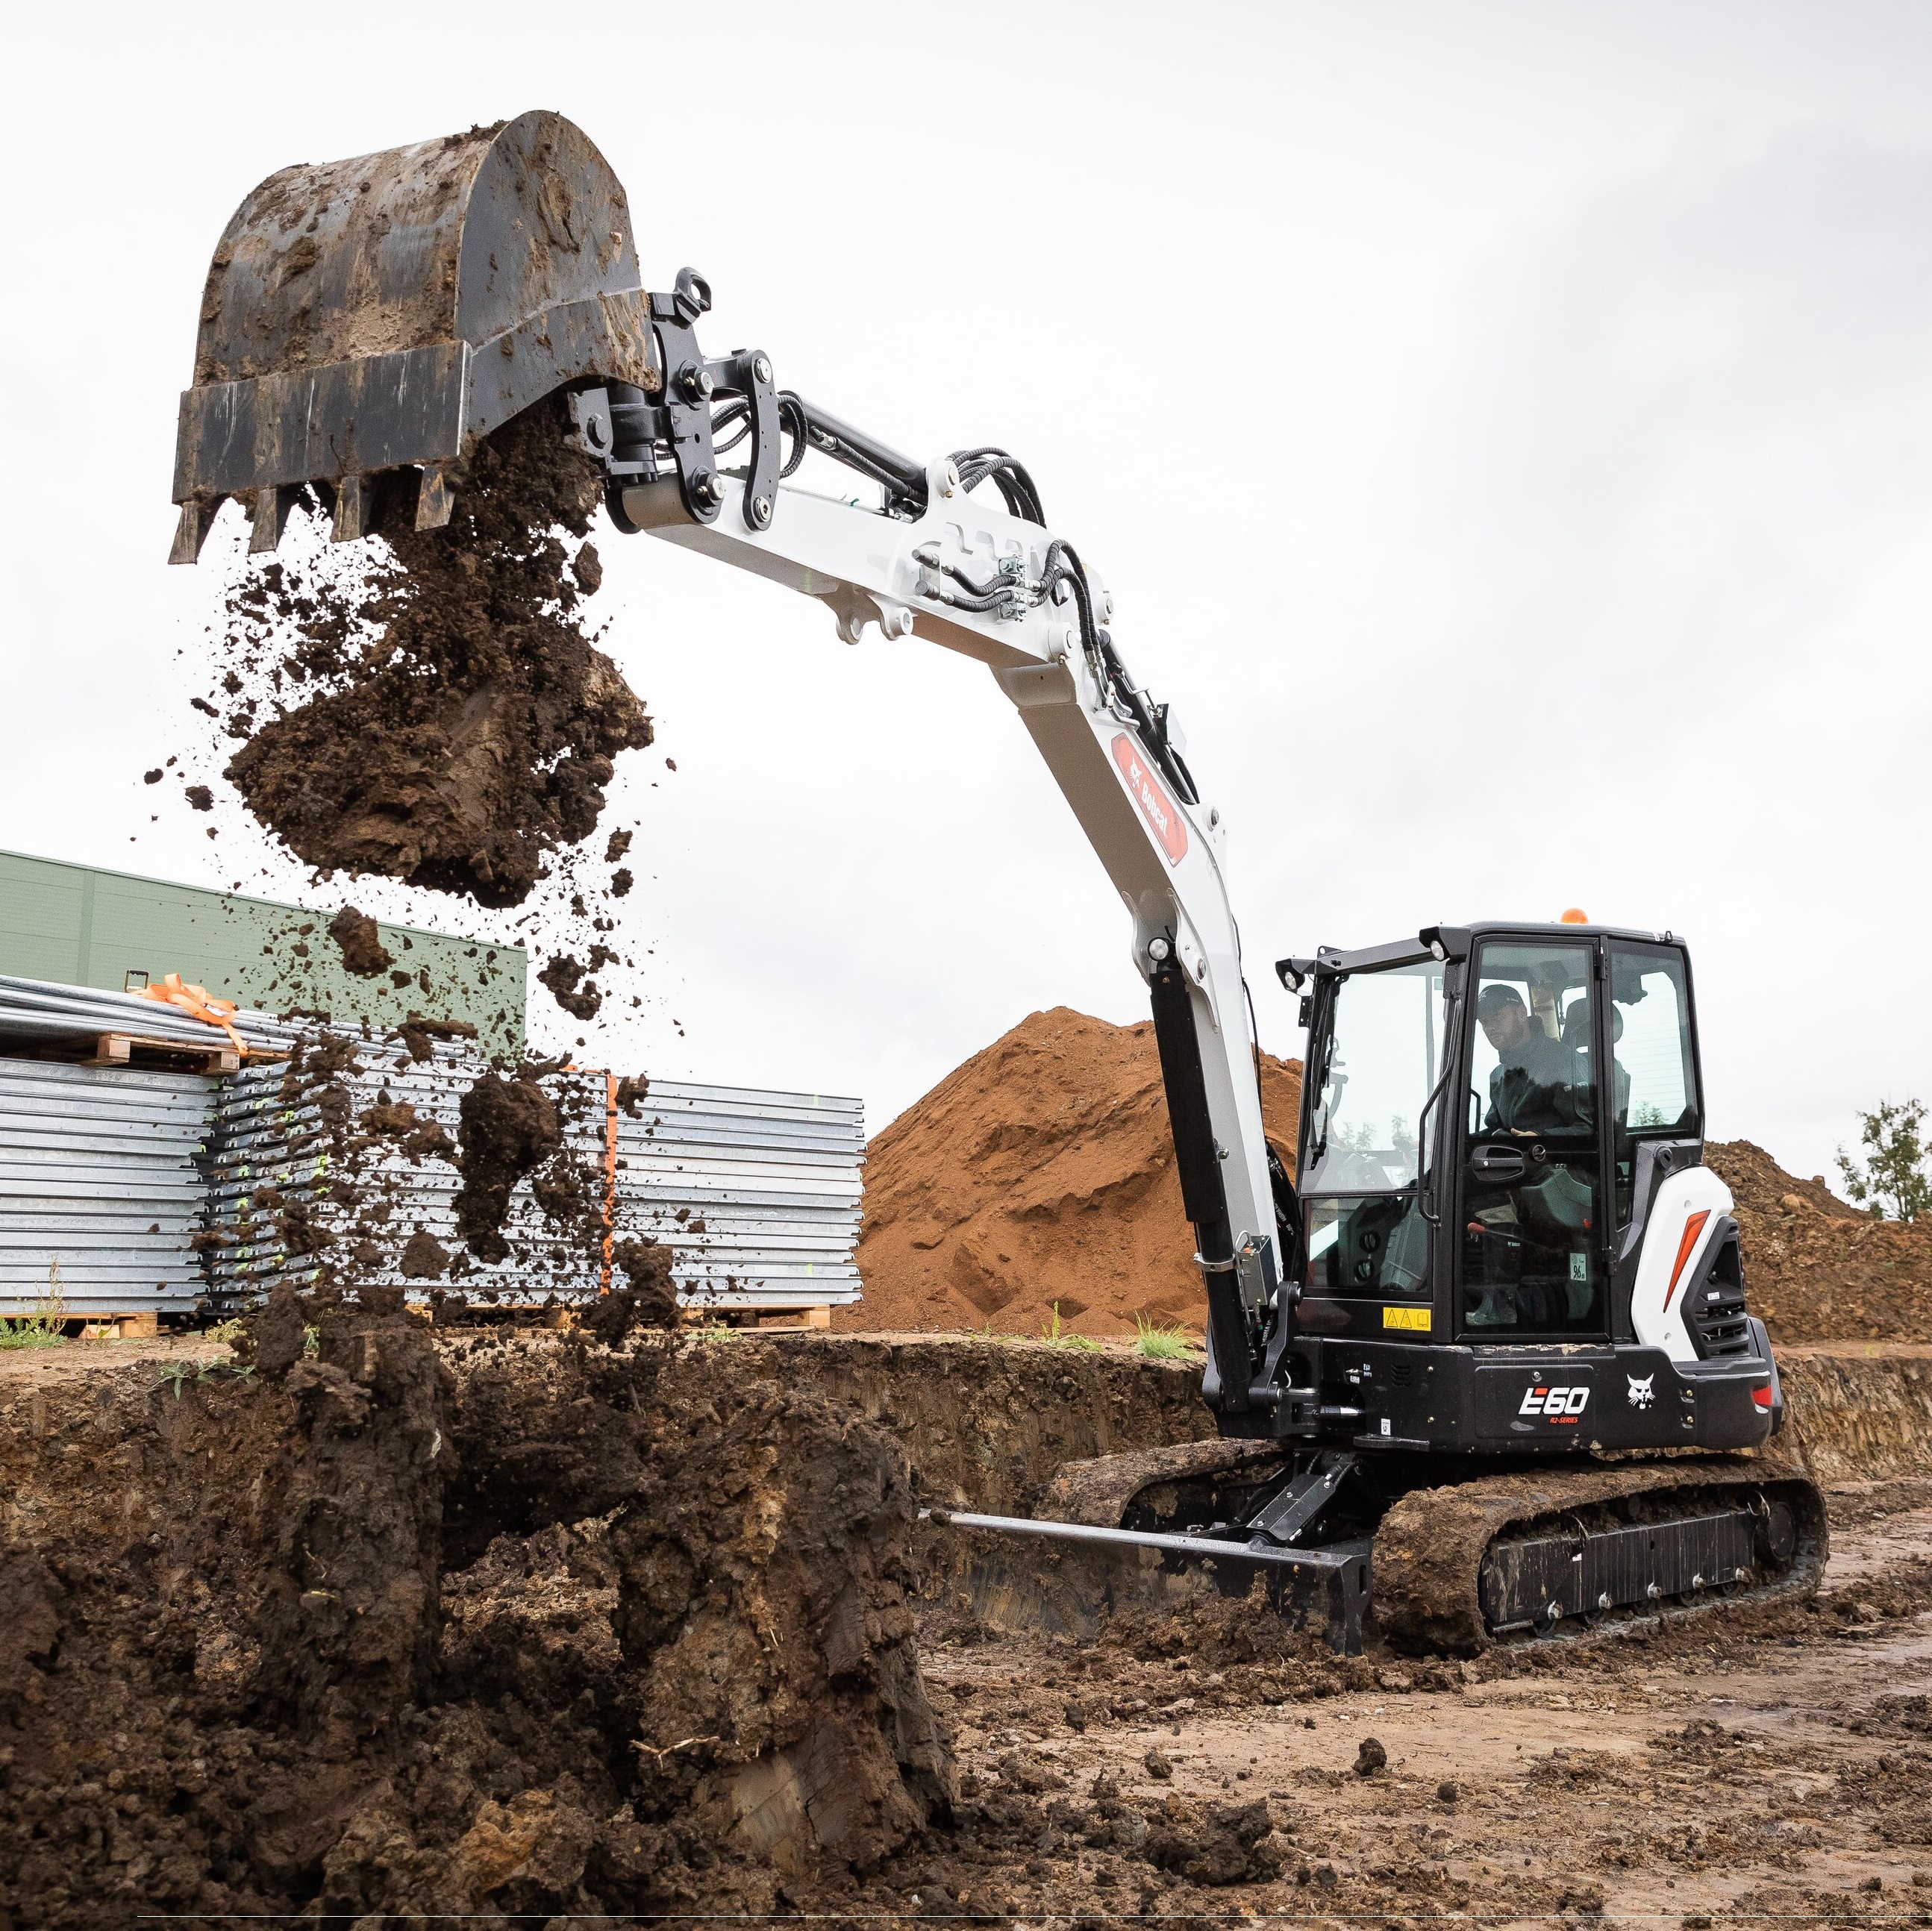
[1416, 1317]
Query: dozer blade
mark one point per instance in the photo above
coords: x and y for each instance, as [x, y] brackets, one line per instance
[368, 318]
[1066, 1571]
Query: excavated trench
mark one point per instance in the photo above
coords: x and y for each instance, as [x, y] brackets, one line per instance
[479, 1619]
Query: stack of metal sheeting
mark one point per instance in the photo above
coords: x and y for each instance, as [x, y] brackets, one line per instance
[36, 1009]
[270, 1154]
[98, 1179]
[757, 1192]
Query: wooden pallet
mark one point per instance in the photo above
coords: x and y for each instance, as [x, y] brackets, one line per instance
[121, 1326]
[796, 1317]
[118, 1049]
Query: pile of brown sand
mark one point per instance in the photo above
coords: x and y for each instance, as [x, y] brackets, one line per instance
[429, 708]
[1041, 1171]
[1816, 1269]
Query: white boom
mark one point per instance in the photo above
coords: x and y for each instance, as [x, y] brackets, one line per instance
[1167, 858]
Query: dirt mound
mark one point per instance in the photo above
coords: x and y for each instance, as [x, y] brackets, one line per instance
[1816, 1269]
[1041, 1171]
[462, 725]
[450, 1627]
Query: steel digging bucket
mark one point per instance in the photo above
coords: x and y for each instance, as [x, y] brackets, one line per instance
[369, 321]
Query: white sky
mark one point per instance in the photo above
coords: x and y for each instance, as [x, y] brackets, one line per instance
[1507, 430]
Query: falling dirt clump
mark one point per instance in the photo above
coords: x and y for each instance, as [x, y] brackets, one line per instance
[508, 1128]
[1040, 1171]
[459, 724]
[357, 937]
[653, 1294]
[564, 976]
[200, 797]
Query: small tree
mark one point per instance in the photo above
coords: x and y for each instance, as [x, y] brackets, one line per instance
[1894, 1172]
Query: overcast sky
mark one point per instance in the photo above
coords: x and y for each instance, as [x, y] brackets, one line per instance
[1506, 430]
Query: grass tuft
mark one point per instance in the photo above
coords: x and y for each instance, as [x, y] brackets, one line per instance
[1056, 1335]
[1159, 1341]
[46, 1325]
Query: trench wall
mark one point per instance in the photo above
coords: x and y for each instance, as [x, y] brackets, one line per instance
[1859, 1411]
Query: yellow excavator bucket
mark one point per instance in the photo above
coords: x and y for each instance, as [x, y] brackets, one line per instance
[375, 319]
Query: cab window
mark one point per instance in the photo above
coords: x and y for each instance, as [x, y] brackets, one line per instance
[1376, 1062]
[1656, 1095]
[1532, 1240]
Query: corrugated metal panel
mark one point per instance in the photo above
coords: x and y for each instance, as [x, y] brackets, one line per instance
[32, 1008]
[757, 1192]
[262, 1142]
[97, 1173]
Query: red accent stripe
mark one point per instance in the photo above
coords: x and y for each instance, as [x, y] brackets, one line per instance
[1762, 1396]
[1692, 1227]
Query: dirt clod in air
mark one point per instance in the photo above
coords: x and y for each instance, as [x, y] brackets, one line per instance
[200, 797]
[423, 1259]
[509, 1129]
[153, 777]
[621, 881]
[653, 1294]
[357, 937]
[619, 843]
[457, 725]
[564, 975]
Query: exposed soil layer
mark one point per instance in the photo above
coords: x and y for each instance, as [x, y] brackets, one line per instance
[1040, 1172]
[458, 723]
[474, 1620]
[1817, 1269]
[444, 1626]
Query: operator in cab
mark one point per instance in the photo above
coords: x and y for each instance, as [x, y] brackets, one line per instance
[1530, 1088]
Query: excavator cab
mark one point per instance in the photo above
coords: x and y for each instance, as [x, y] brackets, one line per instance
[1473, 1125]
[1501, 1172]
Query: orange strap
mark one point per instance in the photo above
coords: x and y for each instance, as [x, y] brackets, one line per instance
[195, 1001]
[610, 1174]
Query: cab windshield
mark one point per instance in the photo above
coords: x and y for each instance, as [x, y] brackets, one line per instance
[1377, 1061]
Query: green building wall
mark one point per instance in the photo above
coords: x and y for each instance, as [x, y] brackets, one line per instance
[79, 925]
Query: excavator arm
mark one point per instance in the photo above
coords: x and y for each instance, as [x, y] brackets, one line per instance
[377, 318]
[945, 566]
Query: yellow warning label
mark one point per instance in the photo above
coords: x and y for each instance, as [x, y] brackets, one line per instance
[1416, 1317]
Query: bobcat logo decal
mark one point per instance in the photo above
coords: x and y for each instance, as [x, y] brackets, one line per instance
[1640, 1392]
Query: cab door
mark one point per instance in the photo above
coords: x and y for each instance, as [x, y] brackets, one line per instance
[1530, 1238]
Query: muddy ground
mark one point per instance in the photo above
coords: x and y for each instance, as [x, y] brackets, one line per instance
[522, 1626]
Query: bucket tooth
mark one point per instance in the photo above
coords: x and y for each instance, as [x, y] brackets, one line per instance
[191, 529]
[272, 508]
[436, 501]
[351, 509]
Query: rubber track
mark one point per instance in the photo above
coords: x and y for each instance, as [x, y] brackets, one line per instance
[1430, 1546]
